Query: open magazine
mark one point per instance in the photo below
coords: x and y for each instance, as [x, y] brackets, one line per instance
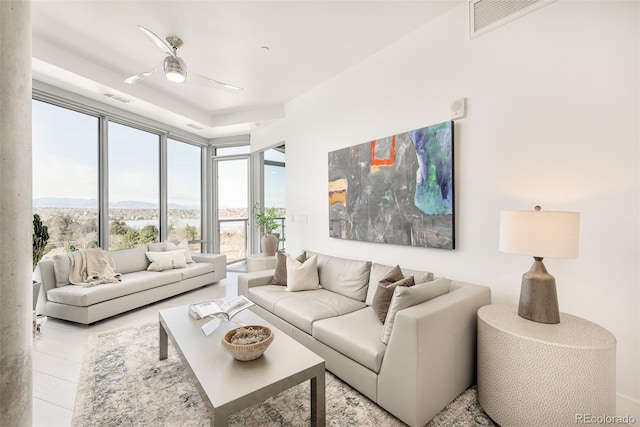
[224, 307]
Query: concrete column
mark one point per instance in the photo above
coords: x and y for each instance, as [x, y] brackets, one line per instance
[15, 214]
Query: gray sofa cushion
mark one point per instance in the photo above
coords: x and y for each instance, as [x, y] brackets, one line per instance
[267, 296]
[378, 271]
[344, 276]
[196, 269]
[61, 268]
[404, 297]
[305, 307]
[356, 335]
[130, 260]
[131, 283]
[156, 247]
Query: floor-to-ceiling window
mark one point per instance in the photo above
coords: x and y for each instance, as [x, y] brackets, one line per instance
[134, 186]
[84, 158]
[184, 189]
[231, 166]
[65, 175]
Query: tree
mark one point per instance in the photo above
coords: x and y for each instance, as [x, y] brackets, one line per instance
[191, 232]
[118, 227]
[64, 227]
[148, 234]
[130, 239]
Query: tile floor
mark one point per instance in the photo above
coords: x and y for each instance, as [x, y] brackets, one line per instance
[59, 348]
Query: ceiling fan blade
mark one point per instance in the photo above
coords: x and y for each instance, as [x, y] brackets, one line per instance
[157, 41]
[140, 76]
[198, 79]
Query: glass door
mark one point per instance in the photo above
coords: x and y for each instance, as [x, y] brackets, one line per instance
[274, 178]
[231, 209]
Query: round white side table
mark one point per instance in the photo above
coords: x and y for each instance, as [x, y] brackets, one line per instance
[260, 262]
[536, 374]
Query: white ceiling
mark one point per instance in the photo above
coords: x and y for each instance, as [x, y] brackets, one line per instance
[90, 47]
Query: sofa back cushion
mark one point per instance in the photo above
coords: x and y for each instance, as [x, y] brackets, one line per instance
[379, 271]
[156, 247]
[405, 296]
[130, 260]
[343, 276]
[61, 268]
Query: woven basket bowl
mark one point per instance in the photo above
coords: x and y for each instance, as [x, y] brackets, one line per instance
[246, 352]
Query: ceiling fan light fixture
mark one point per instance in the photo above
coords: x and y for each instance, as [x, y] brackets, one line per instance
[175, 70]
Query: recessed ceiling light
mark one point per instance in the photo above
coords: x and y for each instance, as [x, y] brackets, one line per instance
[265, 48]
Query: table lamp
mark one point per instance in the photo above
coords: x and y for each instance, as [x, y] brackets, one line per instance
[539, 234]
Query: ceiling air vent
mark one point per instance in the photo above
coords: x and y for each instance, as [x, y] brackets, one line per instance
[487, 15]
[117, 97]
[194, 126]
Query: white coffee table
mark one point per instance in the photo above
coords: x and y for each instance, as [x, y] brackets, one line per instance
[229, 385]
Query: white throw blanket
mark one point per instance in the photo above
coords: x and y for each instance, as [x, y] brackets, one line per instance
[91, 267]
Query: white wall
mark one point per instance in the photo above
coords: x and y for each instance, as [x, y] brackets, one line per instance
[553, 119]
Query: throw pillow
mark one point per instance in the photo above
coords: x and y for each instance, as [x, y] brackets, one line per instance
[168, 260]
[184, 245]
[280, 274]
[302, 276]
[404, 297]
[61, 266]
[384, 293]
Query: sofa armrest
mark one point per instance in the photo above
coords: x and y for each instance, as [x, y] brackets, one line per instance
[219, 262]
[46, 275]
[249, 280]
[431, 355]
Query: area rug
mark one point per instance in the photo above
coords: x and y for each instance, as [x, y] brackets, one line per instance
[123, 383]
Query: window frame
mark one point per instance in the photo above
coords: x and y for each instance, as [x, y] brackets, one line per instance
[106, 114]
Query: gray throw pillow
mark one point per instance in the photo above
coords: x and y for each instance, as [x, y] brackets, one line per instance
[384, 292]
[280, 274]
[404, 297]
[61, 267]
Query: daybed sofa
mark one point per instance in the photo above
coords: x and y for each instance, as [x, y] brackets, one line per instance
[429, 358]
[60, 299]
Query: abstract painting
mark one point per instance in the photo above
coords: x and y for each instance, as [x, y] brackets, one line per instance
[397, 189]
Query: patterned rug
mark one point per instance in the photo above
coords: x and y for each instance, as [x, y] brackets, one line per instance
[123, 383]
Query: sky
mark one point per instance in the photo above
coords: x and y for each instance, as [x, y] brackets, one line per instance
[65, 153]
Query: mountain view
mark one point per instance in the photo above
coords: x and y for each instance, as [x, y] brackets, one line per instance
[73, 225]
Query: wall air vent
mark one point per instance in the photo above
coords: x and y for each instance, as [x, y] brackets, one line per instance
[194, 126]
[117, 98]
[487, 15]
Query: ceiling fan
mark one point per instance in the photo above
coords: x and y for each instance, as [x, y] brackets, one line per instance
[175, 69]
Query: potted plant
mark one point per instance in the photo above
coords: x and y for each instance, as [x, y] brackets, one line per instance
[266, 221]
[40, 239]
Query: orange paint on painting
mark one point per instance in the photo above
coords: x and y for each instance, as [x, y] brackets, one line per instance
[383, 162]
[338, 197]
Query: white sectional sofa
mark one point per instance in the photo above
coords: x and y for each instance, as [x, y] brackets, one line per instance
[428, 360]
[60, 299]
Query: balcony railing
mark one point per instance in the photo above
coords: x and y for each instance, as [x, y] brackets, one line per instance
[233, 238]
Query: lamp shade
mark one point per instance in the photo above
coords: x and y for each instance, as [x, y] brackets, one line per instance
[544, 234]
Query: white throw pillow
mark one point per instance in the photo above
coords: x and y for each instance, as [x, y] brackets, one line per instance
[302, 276]
[184, 245]
[404, 297]
[168, 260]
